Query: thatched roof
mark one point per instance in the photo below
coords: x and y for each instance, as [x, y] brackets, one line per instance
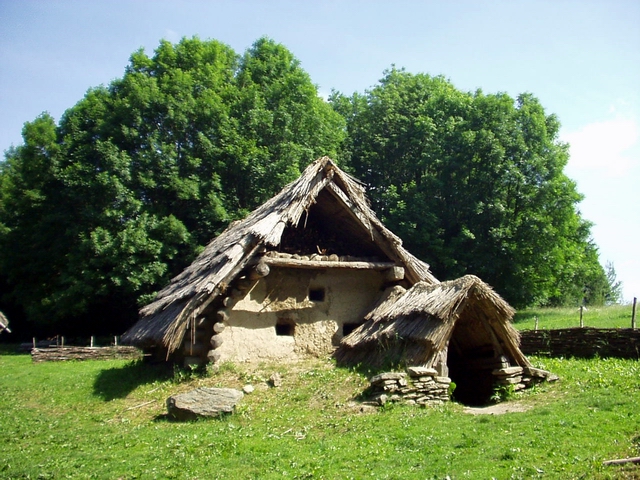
[416, 325]
[4, 323]
[164, 321]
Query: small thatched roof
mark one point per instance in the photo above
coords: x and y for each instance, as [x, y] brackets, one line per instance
[4, 323]
[415, 326]
[164, 321]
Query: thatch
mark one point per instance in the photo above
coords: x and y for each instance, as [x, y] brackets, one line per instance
[4, 323]
[164, 321]
[418, 325]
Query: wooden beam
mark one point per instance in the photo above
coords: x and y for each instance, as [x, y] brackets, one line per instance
[259, 271]
[394, 274]
[621, 461]
[297, 263]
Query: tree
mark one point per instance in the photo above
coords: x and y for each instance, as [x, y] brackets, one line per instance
[281, 121]
[31, 244]
[613, 291]
[99, 212]
[474, 183]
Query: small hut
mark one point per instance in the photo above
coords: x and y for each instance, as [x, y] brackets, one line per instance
[461, 328]
[293, 278]
[4, 323]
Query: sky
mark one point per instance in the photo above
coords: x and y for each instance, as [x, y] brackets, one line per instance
[580, 58]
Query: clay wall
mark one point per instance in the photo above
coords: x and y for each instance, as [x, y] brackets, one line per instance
[295, 311]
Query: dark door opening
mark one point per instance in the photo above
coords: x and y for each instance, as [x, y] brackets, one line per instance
[474, 380]
[474, 352]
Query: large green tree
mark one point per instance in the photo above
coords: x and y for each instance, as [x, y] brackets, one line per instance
[474, 183]
[99, 211]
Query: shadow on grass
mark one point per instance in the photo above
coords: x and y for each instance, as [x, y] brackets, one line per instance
[167, 418]
[525, 316]
[12, 349]
[120, 381]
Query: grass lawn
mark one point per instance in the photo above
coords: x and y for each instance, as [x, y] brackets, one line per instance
[614, 316]
[105, 419]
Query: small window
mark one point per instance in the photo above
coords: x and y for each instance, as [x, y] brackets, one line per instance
[285, 327]
[316, 294]
[347, 328]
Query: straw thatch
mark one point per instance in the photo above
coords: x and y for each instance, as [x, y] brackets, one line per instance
[164, 322]
[4, 323]
[416, 326]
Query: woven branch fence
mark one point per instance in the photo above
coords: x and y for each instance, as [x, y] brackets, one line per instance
[582, 342]
[59, 354]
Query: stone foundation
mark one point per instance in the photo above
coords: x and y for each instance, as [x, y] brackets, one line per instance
[421, 386]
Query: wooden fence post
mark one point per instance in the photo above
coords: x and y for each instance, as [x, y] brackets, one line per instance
[633, 313]
[92, 340]
[581, 320]
[535, 328]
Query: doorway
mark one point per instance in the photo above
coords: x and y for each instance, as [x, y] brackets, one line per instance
[472, 357]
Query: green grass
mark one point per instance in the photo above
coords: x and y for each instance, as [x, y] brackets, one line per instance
[106, 419]
[614, 316]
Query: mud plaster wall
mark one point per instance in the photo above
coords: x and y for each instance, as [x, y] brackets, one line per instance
[250, 333]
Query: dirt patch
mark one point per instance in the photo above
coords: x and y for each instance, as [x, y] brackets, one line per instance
[497, 409]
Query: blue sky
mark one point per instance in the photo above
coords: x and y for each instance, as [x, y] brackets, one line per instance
[580, 58]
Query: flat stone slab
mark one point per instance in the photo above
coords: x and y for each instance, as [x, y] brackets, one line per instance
[508, 371]
[539, 373]
[387, 376]
[422, 372]
[203, 402]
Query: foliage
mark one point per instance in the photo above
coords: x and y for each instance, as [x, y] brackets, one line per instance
[106, 420]
[613, 290]
[503, 393]
[100, 211]
[474, 183]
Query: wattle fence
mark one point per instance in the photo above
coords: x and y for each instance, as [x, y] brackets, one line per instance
[582, 342]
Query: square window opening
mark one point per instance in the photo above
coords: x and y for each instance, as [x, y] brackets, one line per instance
[316, 294]
[285, 327]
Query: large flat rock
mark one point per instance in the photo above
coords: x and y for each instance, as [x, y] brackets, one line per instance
[203, 402]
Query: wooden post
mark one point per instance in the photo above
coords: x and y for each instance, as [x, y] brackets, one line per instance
[621, 461]
[34, 342]
[62, 341]
[92, 340]
[259, 271]
[535, 329]
[633, 312]
[115, 340]
[581, 320]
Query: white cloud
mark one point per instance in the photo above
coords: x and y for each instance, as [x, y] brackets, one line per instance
[604, 145]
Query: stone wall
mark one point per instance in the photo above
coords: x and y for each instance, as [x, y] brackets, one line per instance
[423, 386]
